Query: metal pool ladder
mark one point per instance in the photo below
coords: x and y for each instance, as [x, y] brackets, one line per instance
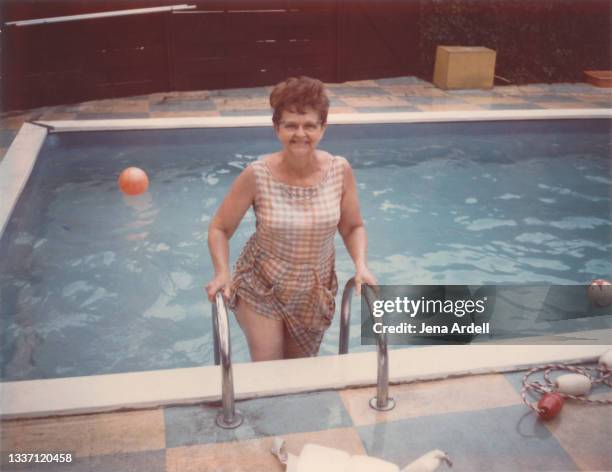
[381, 401]
[229, 418]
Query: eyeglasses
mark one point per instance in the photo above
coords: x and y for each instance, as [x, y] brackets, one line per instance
[308, 127]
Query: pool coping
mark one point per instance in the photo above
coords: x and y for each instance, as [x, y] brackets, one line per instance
[113, 392]
[16, 166]
[186, 386]
[339, 118]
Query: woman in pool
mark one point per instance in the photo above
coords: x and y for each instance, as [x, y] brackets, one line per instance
[284, 283]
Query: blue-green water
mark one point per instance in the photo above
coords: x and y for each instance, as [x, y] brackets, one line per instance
[95, 282]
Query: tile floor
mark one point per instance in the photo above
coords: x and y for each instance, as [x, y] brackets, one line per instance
[365, 96]
[479, 421]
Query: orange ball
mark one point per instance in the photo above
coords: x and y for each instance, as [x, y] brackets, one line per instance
[133, 181]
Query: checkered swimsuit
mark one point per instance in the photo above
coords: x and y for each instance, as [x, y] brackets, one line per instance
[286, 270]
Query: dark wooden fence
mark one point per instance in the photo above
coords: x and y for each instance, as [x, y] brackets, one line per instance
[238, 43]
[239, 46]
[74, 61]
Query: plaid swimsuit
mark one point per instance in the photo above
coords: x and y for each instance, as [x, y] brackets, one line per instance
[286, 270]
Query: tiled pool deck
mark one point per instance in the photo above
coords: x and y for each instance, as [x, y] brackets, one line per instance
[366, 96]
[480, 421]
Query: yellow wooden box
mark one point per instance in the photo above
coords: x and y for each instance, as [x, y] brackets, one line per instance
[464, 67]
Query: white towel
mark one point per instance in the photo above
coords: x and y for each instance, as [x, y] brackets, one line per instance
[315, 458]
[370, 464]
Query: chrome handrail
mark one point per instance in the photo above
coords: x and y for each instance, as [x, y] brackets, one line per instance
[228, 418]
[345, 316]
[381, 401]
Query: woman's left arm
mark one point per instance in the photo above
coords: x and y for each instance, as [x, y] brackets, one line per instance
[352, 230]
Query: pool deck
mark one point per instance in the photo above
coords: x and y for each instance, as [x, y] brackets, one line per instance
[480, 420]
[399, 94]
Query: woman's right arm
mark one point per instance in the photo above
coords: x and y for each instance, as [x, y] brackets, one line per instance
[236, 203]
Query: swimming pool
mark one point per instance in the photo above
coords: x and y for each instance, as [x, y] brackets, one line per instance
[94, 282]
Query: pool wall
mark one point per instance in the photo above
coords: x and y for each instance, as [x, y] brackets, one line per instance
[36, 398]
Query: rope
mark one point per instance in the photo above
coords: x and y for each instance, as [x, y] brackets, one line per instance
[597, 375]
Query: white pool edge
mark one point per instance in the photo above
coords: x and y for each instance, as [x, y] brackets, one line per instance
[16, 166]
[76, 395]
[339, 118]
[139, 390]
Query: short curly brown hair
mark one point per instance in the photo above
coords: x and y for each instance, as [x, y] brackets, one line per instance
[297, 94]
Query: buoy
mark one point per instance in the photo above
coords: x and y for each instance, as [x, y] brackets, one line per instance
[600, 293]
[606, 359]
[573, 384]
[133, 181]
[550, 405]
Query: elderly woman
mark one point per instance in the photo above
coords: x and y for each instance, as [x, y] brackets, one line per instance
[284, 283]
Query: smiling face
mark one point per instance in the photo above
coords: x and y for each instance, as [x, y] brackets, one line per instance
[300, 133]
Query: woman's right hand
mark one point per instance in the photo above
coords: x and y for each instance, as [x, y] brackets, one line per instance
[220, 282]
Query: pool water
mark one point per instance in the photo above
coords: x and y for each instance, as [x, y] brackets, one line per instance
[93, 282]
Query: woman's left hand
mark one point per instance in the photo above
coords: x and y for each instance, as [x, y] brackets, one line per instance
[363, 276]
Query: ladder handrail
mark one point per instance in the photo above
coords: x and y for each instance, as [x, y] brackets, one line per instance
[228, 417]
[382, 400]
[345, 316]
